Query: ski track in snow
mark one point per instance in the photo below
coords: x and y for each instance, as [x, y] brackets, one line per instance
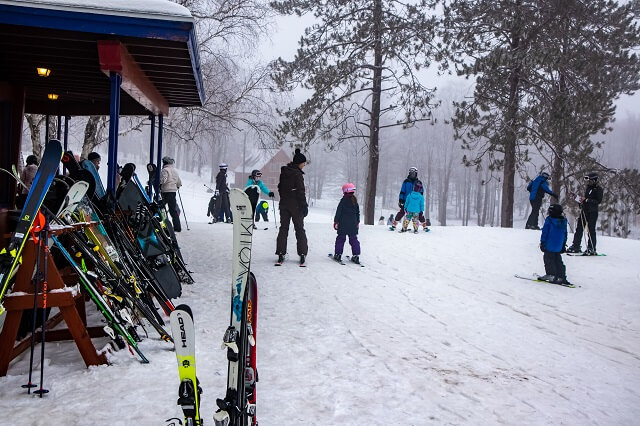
[434, 330]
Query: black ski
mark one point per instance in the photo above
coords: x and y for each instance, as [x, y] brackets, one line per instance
[534, 278]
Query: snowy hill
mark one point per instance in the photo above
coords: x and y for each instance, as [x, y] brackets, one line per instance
[434, 330]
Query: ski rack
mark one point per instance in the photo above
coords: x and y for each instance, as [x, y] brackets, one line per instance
[72, 309]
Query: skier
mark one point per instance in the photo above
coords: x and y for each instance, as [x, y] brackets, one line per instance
[169, 184]
[390, 220]
[405, 190]
[553, 242]
[254, 186]
[381, 220]
[223, 205]
[347, 222]
[588, 215]
[413, 205]
[293, 206]
[211, 210]
[537, 188]
[262, 210]
[27, 175]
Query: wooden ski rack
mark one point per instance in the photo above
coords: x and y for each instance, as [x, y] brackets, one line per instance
[70, 303]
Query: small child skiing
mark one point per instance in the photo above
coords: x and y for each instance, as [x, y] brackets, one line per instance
[390, 220]
[347, 222]
[413, 206]
[553, 242]
[262, 210]
[211, 211]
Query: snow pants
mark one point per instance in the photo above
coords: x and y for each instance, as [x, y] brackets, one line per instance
[290, 212]
[353, 242]
[553, 264]
[170, 198]
[591, 218]
[532, 221]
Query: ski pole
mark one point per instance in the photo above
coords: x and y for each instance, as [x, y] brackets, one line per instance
[36, 283]
[273, 207]
[45, 243]
[183, 212]
[587, 231]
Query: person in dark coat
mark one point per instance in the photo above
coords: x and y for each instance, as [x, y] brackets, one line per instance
[537, 189]
[223, 204]
[588, 215]
[553, 242]
[347, 222]
[293, 206]
[211, 210]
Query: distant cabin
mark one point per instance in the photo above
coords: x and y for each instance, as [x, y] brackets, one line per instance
[269, 166]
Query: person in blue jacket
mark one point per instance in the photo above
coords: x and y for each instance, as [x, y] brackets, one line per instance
[346, 222]
[405, 190]
[254, 186]
[414, 206]
[553, 242]
[537, 189]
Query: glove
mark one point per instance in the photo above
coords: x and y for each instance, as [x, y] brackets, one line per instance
[543, 248]
[563, 249]
[401, 203]
[335, 225]
[271, 194]
[305, 211]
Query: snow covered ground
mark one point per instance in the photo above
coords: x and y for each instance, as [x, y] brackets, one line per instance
[434, 330]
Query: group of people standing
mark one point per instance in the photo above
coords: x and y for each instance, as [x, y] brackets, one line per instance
[553, 240]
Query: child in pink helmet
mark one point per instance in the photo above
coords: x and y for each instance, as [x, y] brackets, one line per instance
[347, 222]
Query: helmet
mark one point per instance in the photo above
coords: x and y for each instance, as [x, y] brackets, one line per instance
[545, 175]
[256, 173]
[168, 160]
[348, 188]
[223, 166]
[593, 176]
[265, 205]
[555, 210]
[413, 169]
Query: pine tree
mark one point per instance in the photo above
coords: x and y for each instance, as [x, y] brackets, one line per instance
[360, 62]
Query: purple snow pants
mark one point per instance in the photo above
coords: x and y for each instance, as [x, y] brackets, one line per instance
[353, 241]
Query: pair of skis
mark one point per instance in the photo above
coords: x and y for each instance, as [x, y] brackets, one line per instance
[238, 408]
[342, 262]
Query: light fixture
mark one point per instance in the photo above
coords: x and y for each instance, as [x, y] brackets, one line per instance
[52, 96]
[43, 72]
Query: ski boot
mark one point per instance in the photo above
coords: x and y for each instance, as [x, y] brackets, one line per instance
[302, 259]
[355, 259]
[547, 277]
[561, 281]
[590, 252]
[393, 226]
[574, 249]
[337, 257]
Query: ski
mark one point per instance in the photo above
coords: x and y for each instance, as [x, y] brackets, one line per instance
[189, 390]
[10, 255]
[534, 278]
[330, 255]
[585, 255]
[236, 409]
[356, 263]
[72, 199]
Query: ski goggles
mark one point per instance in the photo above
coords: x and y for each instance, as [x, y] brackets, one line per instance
[588, 178]
[258, 174]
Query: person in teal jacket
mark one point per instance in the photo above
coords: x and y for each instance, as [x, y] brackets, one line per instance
[413, 206]
[254, 186]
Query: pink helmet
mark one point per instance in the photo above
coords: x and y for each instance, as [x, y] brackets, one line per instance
[348, 188]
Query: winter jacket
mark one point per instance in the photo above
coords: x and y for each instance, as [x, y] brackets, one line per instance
[169, 179]
[407, 188]
[592, 198]
[347, 216]
[535, 187]
[27, 175]
[221, 182]
[212, 206]
[414, 202]
[291, 186]
[259, 184]
[554, 234]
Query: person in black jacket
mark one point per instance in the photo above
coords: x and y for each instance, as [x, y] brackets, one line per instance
[223, 204]
[293, 206]
[588, 215]
[347, 222]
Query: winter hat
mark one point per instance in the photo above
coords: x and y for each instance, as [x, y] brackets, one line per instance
[593, 176]
[93, 156]
[555, 210]
[223, 166]
[298, 157]
[168, 160]
[32, 159]
[348, 188]
[545, 175]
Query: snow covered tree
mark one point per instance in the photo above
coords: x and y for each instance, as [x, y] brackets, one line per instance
[360, 63]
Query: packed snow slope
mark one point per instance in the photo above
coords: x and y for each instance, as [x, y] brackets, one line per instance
[433, 330]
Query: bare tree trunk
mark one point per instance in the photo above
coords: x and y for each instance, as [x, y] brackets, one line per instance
[91, 139]
[374, 126]
[35, 121]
